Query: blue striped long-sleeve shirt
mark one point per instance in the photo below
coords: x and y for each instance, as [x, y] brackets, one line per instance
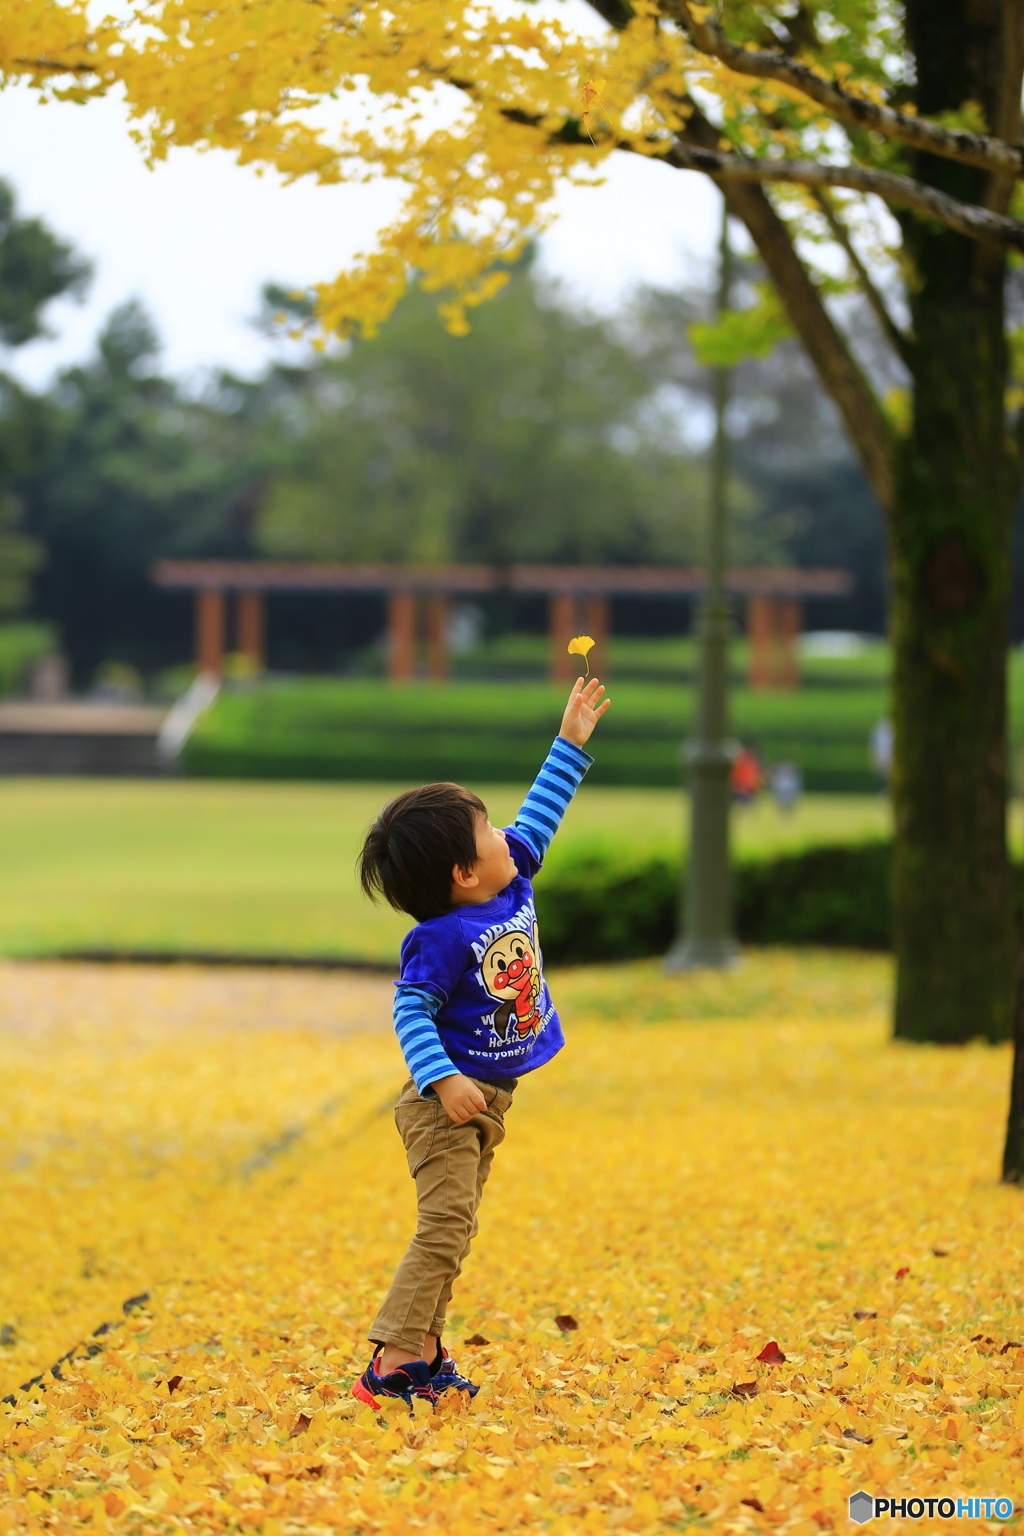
[425, 1056]
[416, 1007]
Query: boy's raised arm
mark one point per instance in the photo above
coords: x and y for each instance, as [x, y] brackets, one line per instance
[562, 770]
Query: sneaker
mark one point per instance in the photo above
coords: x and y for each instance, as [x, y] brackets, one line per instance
[445, 1374]
[408, 1381]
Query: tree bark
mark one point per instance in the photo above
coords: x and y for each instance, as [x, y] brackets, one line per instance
[949, 536]
[1013, 1152]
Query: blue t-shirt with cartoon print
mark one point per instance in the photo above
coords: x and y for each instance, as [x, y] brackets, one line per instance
[472, 996]
[483, 963]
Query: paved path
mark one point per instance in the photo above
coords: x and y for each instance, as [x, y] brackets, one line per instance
[45, 995]
[80, 717]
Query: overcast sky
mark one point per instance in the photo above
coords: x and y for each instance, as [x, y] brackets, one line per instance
[196, 238]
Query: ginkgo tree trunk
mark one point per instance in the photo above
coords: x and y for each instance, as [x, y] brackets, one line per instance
[811, 115]
[955, 484]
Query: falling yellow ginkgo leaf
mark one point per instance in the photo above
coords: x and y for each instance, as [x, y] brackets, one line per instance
[591, 94]
[579, 646]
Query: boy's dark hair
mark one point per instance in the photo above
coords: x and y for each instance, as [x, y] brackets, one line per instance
[412, 847]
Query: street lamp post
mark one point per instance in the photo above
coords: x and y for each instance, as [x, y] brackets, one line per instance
[707, 939]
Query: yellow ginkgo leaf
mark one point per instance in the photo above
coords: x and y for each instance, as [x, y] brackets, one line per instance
[579, 646]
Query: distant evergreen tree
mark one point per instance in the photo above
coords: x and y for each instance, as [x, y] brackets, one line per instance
[535, 437]
[35, 267]
[539, 436]
[134, 469]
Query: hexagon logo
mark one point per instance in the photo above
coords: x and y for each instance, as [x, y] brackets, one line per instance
[862, 1507]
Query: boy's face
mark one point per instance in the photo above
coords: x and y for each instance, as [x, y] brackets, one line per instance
[494, 866]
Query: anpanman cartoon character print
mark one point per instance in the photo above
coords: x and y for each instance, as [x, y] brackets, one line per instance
[510, 972]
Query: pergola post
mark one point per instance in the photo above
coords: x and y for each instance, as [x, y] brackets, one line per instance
[210, 630]
[774, 625]
[597, 624]
[790, 625]
[760, 634]
[579, 601]
[563, 624]
[251, 628]
[401, 636]
[437, 639]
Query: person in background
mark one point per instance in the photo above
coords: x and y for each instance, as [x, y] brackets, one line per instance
[785, 782]
[881, 749]
[746, 779]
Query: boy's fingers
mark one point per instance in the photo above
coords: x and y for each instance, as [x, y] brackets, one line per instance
[602, 707]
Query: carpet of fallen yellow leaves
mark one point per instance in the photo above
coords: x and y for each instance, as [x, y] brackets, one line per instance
[713, 1164]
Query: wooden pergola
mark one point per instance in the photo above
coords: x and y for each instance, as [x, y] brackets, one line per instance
[418, 599]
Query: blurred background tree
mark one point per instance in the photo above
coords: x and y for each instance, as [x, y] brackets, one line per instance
[538, 436]
[134, 467]
[788, 446]
[35, 268]
[542, 435]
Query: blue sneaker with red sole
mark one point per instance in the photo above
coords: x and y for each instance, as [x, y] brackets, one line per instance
[415, 1379]
[410, 1381]
[445, 1375]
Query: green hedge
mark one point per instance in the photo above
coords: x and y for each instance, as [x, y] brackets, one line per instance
[826, 895]
[498, 733]
[593, 909]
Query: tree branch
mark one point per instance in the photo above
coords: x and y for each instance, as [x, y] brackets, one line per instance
[979, 149]
[617, 13]
[822, 340]
[966, 218]
[881, 310]
[56, 67]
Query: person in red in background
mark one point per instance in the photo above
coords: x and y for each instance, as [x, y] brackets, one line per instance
[747, 778]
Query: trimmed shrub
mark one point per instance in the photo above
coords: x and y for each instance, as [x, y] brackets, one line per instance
[827, 895]
[592, 908]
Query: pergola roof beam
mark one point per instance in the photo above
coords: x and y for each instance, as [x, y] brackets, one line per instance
[467, 580]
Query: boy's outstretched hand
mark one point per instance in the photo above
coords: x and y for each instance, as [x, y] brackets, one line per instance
[583, 711]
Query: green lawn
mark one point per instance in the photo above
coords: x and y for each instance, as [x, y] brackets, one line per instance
[268, 868]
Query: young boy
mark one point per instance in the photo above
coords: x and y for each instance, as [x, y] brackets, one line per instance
[473, 1014]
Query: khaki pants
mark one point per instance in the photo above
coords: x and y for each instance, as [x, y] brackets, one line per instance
[450, 1164]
